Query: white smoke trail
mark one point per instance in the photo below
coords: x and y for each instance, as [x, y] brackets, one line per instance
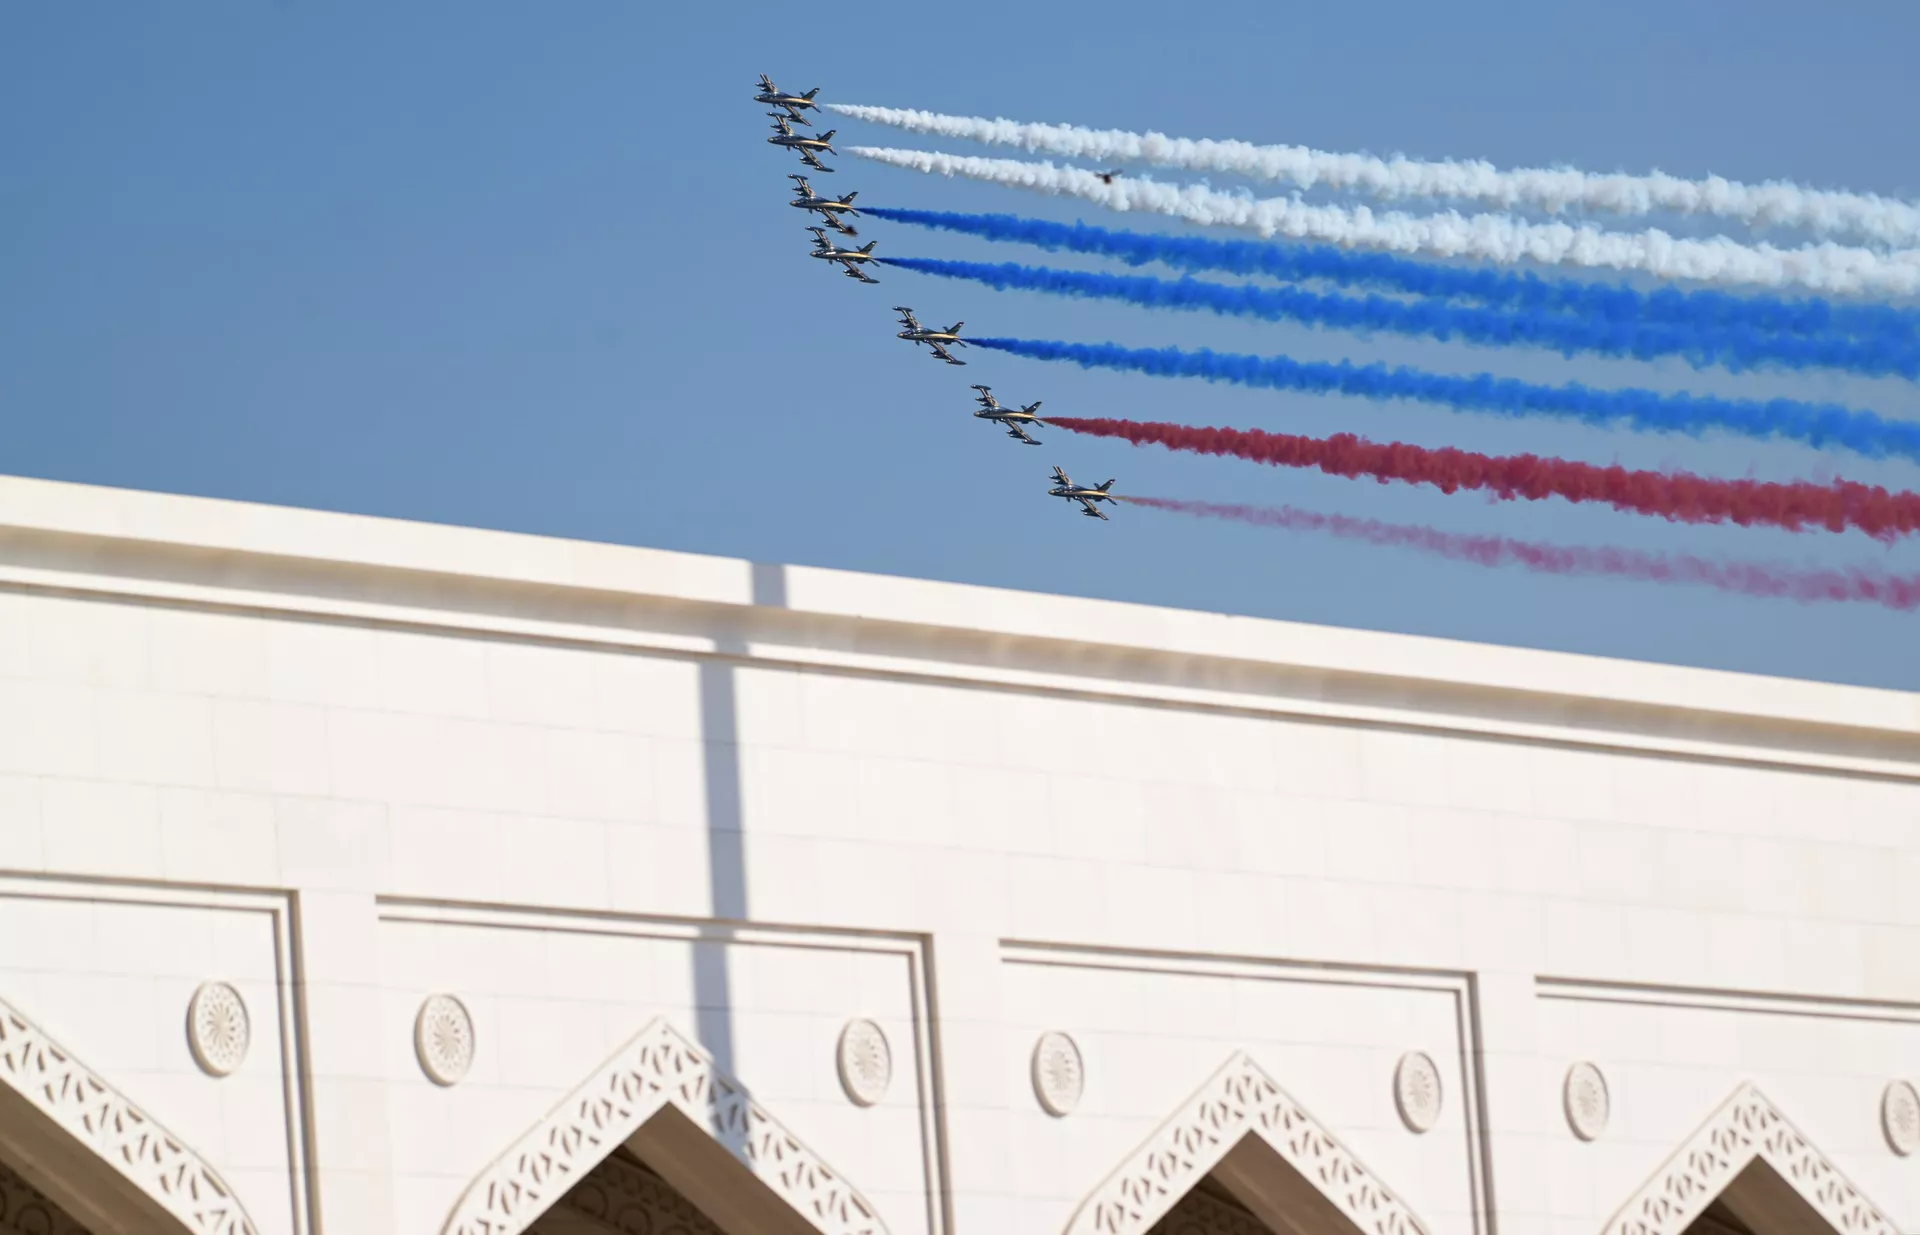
[1775, 203]
[1823, 267]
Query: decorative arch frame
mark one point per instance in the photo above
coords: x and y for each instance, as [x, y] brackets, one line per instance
[1744, 1127]
[1237, 1101]
[45, 1077]
[657, 1068]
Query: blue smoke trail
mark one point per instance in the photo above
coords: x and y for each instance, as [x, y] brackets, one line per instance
[1822, 425]
[1439, 320]
[1385, 272]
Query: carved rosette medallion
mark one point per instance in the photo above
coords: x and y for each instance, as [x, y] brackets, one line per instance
[1586, 1101]
[1900, 1117]
[865, 1061]
[1416, 1091]
[1059, 1076]
[443, 1039]
[218, 1029]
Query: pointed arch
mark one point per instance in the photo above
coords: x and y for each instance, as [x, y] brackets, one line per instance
[1237, 1102]
[1747, 1126]
[658, 1071]
[153, 1176]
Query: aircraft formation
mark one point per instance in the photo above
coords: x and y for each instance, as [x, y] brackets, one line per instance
[835, 213]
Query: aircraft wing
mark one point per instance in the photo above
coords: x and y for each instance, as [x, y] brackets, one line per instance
[941, 353]
[854, 272]
[1091, 509]
[843, 228]
[808, 157]
[1017, 431]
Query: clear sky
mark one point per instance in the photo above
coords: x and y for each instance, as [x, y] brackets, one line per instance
[529, 266]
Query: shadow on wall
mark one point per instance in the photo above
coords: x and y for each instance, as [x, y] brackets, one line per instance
[726, 834]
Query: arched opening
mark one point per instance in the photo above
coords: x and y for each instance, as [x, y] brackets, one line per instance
[1760, 1202]
[658, 1141]
[1254, 1191]
[1241, 1157]
[93, 1157]
[670, 1178]
[1748, 1171]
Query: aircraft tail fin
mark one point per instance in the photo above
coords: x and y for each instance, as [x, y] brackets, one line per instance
[828, 135]
[1032, 407]
[809, 94]
[849, 197]
[1108, 485]
[955, 328]
[868, 246]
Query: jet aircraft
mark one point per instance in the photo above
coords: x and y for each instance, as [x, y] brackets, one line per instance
[850, 259]
[1011, 417]
[806, 147]
[830, 208]
[938, 340]
[793, 103]
[1105, 177]
[1083, 494]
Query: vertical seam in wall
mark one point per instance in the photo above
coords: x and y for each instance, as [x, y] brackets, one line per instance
[301, 1033]
[1480, 1138]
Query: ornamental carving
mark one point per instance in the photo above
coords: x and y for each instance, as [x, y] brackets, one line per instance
[1746, 1126]
[107, 1122]
[1586, 1101]
[865, 1062]
[443, 1039]
[1416, 1091]
[1238, 1100]
[1900, 1117]
[657, 1067]
[1059, 1076]
[634, 1201]
[218, 1028]
[24, 1210]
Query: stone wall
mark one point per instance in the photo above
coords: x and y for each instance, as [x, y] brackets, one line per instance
[359, 876]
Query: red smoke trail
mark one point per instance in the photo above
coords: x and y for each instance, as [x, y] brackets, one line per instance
[1746, 578]
[1677, 496]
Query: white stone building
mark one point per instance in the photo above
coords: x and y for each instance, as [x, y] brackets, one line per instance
[361, 877]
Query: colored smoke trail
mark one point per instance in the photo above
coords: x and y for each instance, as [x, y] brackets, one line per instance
[1678, 497]
[1434, 319]
[1773, 204]
[1746, 578]
[1500, 238]
[1821, 425]
[1897, 330]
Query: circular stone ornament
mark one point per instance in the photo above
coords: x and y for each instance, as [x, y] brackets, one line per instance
[1059, 1076]
[865, 1061]
[1587, 1103]
[443, 1039]
[1900, 1117]
[1416, 1091]
[218, 1028]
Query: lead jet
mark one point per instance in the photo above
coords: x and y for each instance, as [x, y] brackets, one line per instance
[805, 147]
[830, 208]
[850, 259]
[938, 340]
[1011, 417]
[792, 103]
[1062, 487]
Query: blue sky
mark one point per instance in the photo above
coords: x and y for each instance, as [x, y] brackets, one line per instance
[530, 267]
